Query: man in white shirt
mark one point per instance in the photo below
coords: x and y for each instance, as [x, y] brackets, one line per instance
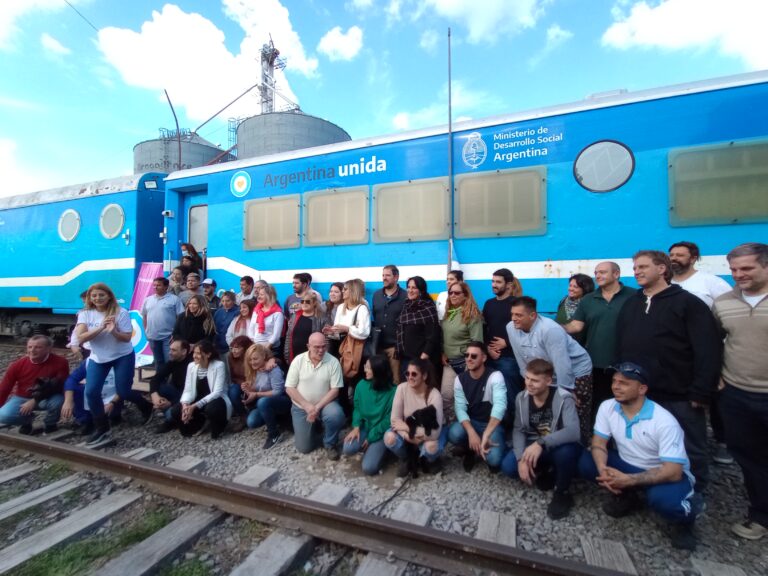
[650, 456]
[313, 383]
[706, 287]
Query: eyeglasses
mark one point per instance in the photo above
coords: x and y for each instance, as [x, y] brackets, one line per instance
[307, 301]
[452, 293]
[412, 373]
[473, 356]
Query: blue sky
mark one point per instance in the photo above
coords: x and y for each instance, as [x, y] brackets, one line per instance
[74, 100]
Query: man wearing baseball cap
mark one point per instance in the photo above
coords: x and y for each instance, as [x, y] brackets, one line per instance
[209, 291]
[650, 456]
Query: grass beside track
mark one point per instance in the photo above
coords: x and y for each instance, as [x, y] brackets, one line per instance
[81, 556]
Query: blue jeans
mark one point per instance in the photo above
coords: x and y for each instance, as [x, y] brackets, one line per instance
[510, 369]
[673, 501]
[562, 461]
[94, 382]
[235, 394]
[170, 393]
[373, 458]
[10, 415]
[306, 434]
[83, 416]
[400, 449]
[459, 437]
[267, 410]
[161, 350]
[745, 415]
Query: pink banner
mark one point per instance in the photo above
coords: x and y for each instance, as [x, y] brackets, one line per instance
[143, 288]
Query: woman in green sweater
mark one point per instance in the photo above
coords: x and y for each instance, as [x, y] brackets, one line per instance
[371, 416]
[462, 324]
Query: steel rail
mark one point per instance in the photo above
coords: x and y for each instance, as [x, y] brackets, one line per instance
[451, 553]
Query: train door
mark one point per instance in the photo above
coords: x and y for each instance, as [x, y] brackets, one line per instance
[195, 228]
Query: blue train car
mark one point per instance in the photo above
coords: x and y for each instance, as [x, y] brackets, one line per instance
[55, 243]
[546, 193]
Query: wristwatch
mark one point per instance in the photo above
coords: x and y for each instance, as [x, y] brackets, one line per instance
[540, 442]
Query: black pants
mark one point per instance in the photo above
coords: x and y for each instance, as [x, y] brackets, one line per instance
[601, 388]
[215, 412]
[693, 421]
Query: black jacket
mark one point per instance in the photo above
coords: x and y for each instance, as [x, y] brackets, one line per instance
[675, 338]
[176, 370]
[386, 310]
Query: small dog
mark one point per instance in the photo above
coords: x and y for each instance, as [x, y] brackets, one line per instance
[44, 388]
[425, 418]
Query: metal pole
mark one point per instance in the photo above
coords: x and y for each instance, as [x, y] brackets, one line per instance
[178, 132]
[450, 155]
[225, 107]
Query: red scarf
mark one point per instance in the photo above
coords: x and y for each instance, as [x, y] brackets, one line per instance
[261, 315]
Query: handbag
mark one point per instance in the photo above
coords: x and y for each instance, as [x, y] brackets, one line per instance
[351, 353]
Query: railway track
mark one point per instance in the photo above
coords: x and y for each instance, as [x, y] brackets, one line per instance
[389, 542]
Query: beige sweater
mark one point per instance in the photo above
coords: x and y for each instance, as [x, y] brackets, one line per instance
[406, 402]
[745, 362]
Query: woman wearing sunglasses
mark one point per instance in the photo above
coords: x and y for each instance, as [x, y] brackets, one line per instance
[463, 323]
[416, 393]
[307, 320]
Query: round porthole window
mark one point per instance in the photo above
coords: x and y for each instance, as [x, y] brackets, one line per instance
[69, 225]
[111, 221]
[604, 166]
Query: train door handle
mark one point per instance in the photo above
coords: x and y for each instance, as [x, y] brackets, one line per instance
[127, 236]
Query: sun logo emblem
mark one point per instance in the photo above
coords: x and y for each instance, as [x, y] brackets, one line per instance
[240, 184]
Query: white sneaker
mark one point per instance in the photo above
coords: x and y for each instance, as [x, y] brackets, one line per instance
[749, 530]
[722, 456]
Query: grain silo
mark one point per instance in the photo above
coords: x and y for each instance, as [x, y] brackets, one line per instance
[162, 154]
[283, 131]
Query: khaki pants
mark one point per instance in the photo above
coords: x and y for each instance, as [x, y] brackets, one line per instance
[446, 391]
[394, 363]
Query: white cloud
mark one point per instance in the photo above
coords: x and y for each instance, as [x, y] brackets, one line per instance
[361, 4]
[17, 178]
[12, 10]
[16, 104]
[337, 45]
[493, 19]
[393, 10]
[428, 41]
[54, 46]
[466, 103]
[556, 36]
[185, 53]
[733, 27]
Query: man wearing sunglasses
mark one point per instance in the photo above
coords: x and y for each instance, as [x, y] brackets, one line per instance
[480, 401]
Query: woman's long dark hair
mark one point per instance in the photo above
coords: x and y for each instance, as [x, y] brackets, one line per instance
[421, 285]
[382, 373]
[207, 347]
[425, 367]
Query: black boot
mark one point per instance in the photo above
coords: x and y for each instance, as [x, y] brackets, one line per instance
[101, 434]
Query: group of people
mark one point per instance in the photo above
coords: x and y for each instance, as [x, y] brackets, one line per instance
[615, 389]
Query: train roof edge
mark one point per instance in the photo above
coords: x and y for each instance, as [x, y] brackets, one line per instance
[589, 103]
[84, 190]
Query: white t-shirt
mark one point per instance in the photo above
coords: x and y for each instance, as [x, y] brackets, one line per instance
[706, 287]
[105, 347]
[442, 305]
[753, 300]
[653, 436]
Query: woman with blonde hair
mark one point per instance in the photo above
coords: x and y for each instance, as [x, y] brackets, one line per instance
[353, 320]
[264, 393]
[107, 327]
[462, 324]
[267, 320]
[195, 324]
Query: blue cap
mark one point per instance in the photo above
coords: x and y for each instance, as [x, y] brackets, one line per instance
[632, 371]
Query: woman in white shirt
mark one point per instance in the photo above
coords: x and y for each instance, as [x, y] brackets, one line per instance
[204, 399]
[107, 328]
[266, 325]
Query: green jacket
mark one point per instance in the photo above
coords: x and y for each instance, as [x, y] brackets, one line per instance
[373, 410]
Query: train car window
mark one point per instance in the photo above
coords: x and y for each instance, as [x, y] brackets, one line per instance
[503, 203]
[412, 210]
[111, 221]
[198, 226]
[604, 166]
[722, 184]
[271, 223]
[69, 225]
[337, 216]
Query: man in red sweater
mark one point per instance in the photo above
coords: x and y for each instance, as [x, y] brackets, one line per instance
[16, 402]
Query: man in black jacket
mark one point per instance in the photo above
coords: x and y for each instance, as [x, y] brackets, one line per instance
[674, 334]
[167, 384]
[387, 304]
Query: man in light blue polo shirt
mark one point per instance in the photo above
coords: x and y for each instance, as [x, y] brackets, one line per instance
[651, 456]
[159, 313]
